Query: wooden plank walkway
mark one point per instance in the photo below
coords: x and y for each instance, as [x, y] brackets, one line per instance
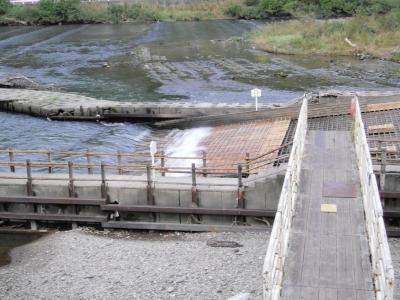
[328, 256]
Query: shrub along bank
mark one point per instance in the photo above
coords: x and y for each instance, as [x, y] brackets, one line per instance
[74, 11]
[377, 35]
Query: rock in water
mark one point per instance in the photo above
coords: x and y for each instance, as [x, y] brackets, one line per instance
[19, 82]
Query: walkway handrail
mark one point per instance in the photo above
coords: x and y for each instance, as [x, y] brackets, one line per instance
[279, 240]
[380, 254]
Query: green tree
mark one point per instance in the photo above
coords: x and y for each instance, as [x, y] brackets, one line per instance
[4, 6]
[52, 11]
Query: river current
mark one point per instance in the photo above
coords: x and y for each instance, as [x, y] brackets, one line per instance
[190, 61]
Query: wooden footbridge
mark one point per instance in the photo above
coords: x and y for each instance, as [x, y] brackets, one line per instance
[328, 239]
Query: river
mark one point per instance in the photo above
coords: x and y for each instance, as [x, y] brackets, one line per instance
[190, 61]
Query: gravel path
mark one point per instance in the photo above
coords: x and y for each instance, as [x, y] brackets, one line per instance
[85, 264]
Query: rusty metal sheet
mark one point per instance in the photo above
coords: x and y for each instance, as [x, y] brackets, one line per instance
[339, 190]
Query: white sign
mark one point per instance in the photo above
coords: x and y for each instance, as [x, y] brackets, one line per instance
[153, 151]
[255, 93]
[153, 148]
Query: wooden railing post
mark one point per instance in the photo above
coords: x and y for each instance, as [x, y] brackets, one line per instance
[241, 203]
[71, 187]
[29, 190]
[71, 190]
[88, 160]
[247, 159]
[150, 195]
[150, 192]
[119, 158]
[104, 194]
[204, 164]
[49, 160]
[29, 187]
[162, 163]
[195, 199]
[11, 157]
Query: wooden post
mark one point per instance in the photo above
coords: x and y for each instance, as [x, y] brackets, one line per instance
[29, 187]
[104, 194]
[150, 196]
[247, 159]
[71, 187]
[119, 158]
[90, 170]
[204, 164]
[240, 194]
[195, 200]
[11, 157]
[240, 176]
[162, 163]
[29, 190]
[71, 190]
[49, 160]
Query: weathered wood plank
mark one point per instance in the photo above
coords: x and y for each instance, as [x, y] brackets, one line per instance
[328, 294]
[330, 249]
[328, 261]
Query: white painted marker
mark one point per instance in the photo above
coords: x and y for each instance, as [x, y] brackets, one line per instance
[255, 93]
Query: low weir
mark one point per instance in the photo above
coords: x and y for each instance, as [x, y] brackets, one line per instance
[65, 106]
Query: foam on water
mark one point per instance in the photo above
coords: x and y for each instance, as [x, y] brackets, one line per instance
[186, 143]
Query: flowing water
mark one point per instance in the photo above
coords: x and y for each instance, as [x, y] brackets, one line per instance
[190, 61]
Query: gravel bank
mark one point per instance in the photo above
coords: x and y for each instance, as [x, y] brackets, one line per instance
[87, 264]
[394, 245]
[84, 264]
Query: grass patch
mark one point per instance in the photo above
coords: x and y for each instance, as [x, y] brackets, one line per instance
[378, 36]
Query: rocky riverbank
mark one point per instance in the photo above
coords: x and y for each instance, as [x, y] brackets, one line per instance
[88, 264]
[91, 264]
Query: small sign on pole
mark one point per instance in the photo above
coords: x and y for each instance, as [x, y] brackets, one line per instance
[255, 93]
[153, 151]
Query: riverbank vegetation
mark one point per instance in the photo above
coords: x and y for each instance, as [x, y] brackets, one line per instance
[76, 11]
[370, 32]
[264, 9]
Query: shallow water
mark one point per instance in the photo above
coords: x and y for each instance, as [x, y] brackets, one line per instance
[8, 241]
[191, 61]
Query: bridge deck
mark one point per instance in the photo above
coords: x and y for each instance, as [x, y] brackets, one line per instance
[328, 256]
